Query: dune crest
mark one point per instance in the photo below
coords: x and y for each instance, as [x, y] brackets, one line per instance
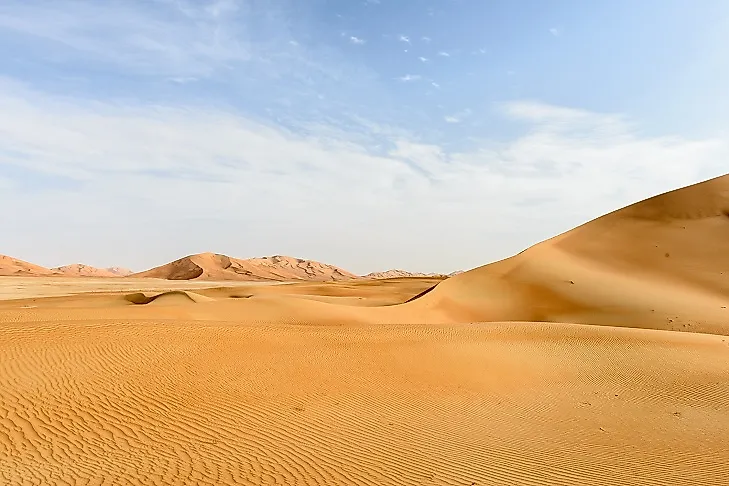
[169, 297]
[213, 266]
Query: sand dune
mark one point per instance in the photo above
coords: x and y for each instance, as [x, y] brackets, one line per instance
[400, 381]
[81, 270]
[212, 266]
[12, 266]
[395, 273]
[662, 263]
[169, 297]
[119, 271]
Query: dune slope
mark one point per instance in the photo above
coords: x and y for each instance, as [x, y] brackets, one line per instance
[10, 266]
[661, 263]
[81, 270]
[212, 266]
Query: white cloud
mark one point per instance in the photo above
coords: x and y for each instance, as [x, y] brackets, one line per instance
[410, 77]
[426, 39]
[356, 40]
[458, 117]
[444, 54]
[404, 38]
[184, 79]
[542, 112]
[435, 85]
[423, 59]
[138, 185]
[555, 31]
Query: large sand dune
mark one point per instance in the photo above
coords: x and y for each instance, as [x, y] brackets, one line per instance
[213, 266]
[662, 263]
[405, 381]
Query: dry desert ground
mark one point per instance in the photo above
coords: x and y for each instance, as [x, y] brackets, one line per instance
[599, 357]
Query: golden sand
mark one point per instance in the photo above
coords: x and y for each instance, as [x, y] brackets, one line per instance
[599, 357]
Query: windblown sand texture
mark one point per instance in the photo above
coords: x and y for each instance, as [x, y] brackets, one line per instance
[559, 366]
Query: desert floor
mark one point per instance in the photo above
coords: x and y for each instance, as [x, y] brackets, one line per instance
[221, 386]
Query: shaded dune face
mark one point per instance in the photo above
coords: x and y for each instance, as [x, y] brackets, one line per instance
[171, 297]
[183, 269]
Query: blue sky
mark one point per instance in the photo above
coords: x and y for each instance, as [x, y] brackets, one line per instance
[425, 135]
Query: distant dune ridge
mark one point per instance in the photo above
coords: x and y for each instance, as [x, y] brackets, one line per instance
[81, 270]
[660, 263]
[396, 273]
[213, 266]
[10, 266]
[120, 271]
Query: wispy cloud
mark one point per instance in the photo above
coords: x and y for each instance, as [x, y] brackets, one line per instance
[555, 31]
[356, 40]
[167, 38]
[426, 39]
[435, 85]
[404, 38]
[444, 54]
[184, 79]
[537, 112]
[423, 59]
[177, 38]
[458, 117]
[410, 77]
